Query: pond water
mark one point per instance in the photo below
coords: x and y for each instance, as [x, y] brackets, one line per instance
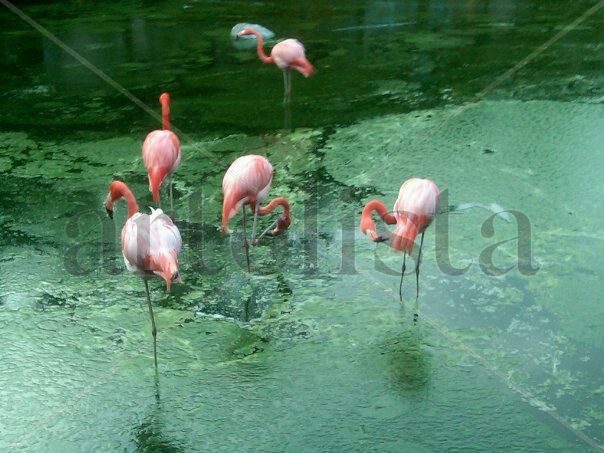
[499, 102]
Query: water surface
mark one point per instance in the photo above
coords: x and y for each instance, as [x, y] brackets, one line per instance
[311, 350]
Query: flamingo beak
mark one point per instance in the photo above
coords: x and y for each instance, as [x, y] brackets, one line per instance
[109, 206]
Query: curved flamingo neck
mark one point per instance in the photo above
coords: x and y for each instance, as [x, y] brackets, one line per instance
[380, 208]
[165, 113]
[118, 190]
[279, 201]
[260, 48]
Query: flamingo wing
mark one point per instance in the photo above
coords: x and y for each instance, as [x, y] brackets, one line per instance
[165, 236]
[136, 242]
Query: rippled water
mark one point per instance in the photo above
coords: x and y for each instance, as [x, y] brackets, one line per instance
[311, 350]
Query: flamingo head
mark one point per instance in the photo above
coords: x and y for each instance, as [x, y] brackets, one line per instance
[283, 223]
[368, 227]
[164, 99]
[246, 31]
[168, 270]
[115, 193]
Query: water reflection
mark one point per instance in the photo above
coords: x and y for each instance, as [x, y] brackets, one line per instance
[150, 435]
[408, 363]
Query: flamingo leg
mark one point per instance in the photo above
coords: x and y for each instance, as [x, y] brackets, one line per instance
[246, 246]
[287, 85]
[419, 258]
[400, 288]
[254, 241]
[153, 327]
[246, 307]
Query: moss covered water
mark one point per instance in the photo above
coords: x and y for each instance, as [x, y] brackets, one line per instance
[311, 350]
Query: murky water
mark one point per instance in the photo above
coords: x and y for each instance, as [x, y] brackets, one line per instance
[311, 350]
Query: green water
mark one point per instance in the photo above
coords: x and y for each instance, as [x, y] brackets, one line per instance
[312, 350]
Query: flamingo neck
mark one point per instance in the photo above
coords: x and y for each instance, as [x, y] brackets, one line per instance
[260, 48]
[165, 115]
[380, 208]
[119, 190]
[279, 201]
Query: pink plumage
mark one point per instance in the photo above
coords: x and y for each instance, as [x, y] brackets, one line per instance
[150, 243]
[289, 54]
[161, 151]
[247, 181]
[414, 211]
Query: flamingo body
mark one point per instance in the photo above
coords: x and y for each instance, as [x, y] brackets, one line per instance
[414, 211]
[289, 54]
[161, 151]
[247, 181]
[151, 244]
[161, 154]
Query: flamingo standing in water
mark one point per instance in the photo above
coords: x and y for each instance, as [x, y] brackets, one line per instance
[150, 244]
[247, 181]
[287, 55]
[161, 152]
[414, 211]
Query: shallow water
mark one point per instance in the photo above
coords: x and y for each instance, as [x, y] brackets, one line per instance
[311, 350]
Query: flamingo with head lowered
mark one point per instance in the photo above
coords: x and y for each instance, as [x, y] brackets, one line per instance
[150, 245]
[414, 211]
[247, 182]
[287, 55]
[161, 152]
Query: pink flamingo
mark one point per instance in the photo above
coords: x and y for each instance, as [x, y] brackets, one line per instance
[414, 211]
[150, 244]
[161, 152]
[287, 55]
[247, 181]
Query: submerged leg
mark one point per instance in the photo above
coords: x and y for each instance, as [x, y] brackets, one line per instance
[246, 246]
[153, 328]
[419, 258]
[400, 288]
[254, 241]
[287, 82]
[287, 117]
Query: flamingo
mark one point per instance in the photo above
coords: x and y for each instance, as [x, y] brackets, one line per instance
[161, 152]
[287, 55]
[150, 245]
[414, 211]
[247, 182]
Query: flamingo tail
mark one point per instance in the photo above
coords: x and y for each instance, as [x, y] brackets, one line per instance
[303, 66]
[229, 208]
